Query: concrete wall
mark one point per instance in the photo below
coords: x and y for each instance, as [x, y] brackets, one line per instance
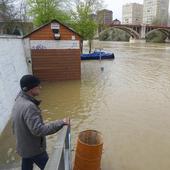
[12, 66]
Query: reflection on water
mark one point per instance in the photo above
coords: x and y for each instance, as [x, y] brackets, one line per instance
[129, 102]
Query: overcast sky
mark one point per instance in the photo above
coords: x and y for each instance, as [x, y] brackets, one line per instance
[116, 6]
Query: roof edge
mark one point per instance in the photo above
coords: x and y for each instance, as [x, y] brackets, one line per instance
[54, 20]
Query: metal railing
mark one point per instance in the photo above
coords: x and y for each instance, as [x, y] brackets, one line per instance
[60, 159]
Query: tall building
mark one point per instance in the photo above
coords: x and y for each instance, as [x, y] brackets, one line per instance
[132, 13]
[104, 17]
[169, 20]
[155, 12]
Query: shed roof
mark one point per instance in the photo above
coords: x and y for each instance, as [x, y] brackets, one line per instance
[50, 23]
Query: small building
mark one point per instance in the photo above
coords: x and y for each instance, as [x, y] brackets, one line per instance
[116, 22]
[55, 52]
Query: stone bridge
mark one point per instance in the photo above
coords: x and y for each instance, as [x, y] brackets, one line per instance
[139, 32]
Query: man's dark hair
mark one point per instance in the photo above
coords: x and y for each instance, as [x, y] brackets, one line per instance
[28, 82]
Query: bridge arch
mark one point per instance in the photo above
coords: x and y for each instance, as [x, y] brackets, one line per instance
[129, 30]
[163, 30]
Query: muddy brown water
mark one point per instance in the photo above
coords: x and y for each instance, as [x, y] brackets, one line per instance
[128, 102]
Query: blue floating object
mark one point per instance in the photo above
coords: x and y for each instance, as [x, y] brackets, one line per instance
[98, 55]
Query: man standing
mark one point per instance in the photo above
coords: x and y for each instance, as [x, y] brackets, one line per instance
[28, 126]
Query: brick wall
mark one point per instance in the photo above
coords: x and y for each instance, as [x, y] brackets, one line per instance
[56, 64]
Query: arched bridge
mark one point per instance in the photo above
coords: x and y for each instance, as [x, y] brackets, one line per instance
[140, 31]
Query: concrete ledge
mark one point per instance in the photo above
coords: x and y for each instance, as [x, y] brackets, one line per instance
[10, 36]
[137, 41]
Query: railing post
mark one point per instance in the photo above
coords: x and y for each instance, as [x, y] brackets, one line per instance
[67, 150]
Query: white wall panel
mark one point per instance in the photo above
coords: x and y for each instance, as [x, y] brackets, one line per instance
[12, 67]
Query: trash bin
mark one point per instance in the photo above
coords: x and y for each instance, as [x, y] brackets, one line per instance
[88, 151]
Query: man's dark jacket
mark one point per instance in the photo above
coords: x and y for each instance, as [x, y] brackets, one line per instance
[28, 126]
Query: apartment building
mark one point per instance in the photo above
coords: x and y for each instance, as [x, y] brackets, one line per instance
[155, 12]
[132, 13]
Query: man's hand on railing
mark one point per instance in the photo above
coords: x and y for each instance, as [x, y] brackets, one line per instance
[66, 121]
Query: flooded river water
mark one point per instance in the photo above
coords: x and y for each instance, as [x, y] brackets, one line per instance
[129, 102]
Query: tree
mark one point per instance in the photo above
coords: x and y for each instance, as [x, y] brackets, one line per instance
[84, 24]
[13, 14]
[114, 35]
[156, 37]
[7, 10]
[43, 11]
[8, 14]
[22, 11]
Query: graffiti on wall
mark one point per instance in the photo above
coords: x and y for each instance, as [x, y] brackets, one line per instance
[52, 44]
[38, 47]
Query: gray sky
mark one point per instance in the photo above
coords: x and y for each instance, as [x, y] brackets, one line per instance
[116, 6]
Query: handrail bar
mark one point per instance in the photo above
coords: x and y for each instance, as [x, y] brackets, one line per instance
[60, 159]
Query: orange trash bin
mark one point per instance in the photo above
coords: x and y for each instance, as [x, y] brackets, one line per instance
[88, 151]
